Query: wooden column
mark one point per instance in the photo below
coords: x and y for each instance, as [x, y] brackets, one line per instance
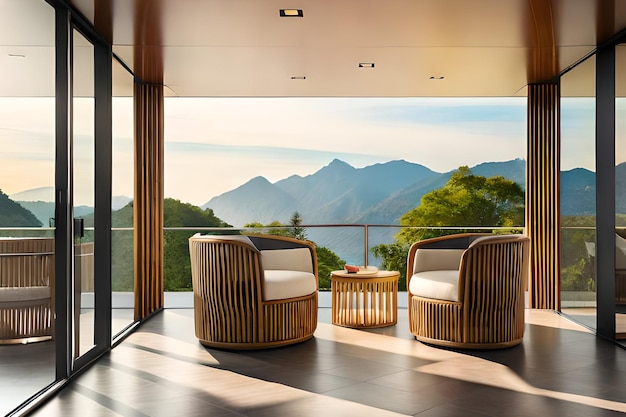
[148, 204]
[543, 195]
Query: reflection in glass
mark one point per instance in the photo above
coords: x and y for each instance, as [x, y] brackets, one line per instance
[27, 171]
[578, 213]
[83, 174]
[122, 262]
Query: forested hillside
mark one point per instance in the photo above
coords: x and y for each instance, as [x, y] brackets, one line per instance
[176, 243]
[14, 215]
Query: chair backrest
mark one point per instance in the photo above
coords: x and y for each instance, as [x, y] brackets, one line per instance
[442, 253]
[234, 238]
[297, 259]
[26, 262]
[492, 266]
[437, 259]
[277, 253]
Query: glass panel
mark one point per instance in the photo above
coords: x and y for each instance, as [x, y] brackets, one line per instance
[27, 171]
[83, 174]
[578, 194]
[620, 194]
[255, 162]
[122, 263]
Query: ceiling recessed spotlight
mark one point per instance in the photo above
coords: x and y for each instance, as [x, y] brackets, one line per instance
[432, 77]
[366, 65]
[298, 77]
[291, 13]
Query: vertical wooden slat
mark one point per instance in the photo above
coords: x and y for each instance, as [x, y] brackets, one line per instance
[26, 263]
[543, 195]
[148, 204]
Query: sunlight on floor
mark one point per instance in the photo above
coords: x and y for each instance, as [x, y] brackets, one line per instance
[229, 389]
[549, 318]
[466, 367]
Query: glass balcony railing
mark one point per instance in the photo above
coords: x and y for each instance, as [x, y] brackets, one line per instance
[351, 243]
[578, 269]
[337, 244]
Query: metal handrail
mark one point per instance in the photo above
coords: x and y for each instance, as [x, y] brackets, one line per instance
[363, 226]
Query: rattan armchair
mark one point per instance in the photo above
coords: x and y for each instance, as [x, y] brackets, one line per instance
[26, 290]
[254, 291]
[467, 290]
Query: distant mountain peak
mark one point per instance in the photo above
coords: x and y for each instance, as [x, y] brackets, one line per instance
[338, 162]
[256, 182]
[336, 167]
[34, 194]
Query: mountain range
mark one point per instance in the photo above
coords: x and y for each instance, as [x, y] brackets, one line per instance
[339, 193]
[378, 194]
[40, 202]
[374, 195]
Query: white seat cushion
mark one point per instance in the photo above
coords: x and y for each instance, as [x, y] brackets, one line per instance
[16, 294]
[440, 285]
[281, 284]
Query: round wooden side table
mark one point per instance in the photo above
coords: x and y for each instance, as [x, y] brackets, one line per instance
[364, 300]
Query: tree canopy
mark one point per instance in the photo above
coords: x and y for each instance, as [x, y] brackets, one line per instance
[466, 201]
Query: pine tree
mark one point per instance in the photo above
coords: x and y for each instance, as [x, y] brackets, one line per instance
[296, 230]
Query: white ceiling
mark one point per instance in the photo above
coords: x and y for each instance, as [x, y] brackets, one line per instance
[244, 48]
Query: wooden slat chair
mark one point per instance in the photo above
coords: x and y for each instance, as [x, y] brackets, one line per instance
[467, 290]
[26, 290]
[254, 291]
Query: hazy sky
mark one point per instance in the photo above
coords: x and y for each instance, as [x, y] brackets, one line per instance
[215, 145]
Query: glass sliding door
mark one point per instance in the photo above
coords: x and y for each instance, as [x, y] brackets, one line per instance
[83, 187]
[122, 247]
[578, 194]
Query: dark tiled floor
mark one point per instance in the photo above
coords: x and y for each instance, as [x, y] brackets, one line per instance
[29, 368]
[161, 370]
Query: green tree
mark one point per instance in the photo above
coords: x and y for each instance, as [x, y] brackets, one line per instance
[275, 228]
[177, 267]
[394, 258]
[327, 261]
[577, 257]
[296, 230]
[465, 201]
[122, 252]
